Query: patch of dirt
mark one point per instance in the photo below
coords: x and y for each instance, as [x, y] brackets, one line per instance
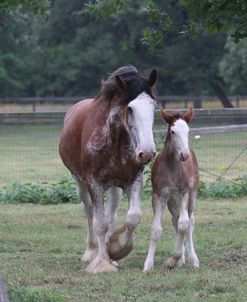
[230, 258]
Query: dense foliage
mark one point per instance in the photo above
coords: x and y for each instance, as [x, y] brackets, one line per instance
[76, 44]
[65, 191]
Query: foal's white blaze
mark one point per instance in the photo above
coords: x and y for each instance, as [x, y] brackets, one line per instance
[180, 137]
[141, 122]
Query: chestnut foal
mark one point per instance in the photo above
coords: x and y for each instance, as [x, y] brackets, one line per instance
[175, 178]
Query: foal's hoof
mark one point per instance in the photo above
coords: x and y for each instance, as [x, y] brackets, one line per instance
[89, 255]
[194, 261]
[99, 265]
[120, 243]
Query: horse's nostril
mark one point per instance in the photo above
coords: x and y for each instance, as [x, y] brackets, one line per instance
[154, 153]
[140, 156]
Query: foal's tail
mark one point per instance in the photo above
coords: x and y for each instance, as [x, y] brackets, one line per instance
[121, 243]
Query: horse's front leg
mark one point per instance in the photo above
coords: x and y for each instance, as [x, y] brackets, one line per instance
[115, 195]
[121, 242]
[102, 261]
[134, 212]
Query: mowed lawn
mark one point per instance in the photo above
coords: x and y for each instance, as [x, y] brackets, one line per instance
[29, 153]
[40, 248]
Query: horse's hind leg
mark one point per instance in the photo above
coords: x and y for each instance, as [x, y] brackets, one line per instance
[91, 243]
[156, 230]
[115, 195]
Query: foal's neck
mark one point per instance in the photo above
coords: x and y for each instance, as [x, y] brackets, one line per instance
[169, 153]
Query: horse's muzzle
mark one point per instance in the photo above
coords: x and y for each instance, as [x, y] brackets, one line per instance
[145, 157]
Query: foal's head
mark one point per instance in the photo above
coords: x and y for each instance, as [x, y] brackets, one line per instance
[131, 92]
[178, 132]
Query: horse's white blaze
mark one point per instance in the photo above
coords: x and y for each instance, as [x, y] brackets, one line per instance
[180, 138]
[141, 123]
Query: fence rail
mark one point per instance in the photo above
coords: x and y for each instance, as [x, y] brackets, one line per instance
[163, 99]
[202, 117]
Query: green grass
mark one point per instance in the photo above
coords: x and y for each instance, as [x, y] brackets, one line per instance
[40, 248]
[30, 153]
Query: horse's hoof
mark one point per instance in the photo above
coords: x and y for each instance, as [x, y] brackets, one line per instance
[171, 263]
[148, 266]
[181, 261]
[194, 261]
[99, 265]
[121, 243]
[89, 255]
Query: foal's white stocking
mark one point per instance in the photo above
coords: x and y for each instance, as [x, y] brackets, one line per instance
[192, 257]
[156, 231]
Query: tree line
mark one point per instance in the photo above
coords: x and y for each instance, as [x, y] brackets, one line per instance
[65, 48]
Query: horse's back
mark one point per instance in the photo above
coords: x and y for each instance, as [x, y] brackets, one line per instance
[77, 110]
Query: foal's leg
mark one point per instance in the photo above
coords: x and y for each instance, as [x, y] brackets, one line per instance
[102, 262]
[156, 230]
[91, 243]
[181, 261]
[115, 195]
[183, 226]
[192, 257]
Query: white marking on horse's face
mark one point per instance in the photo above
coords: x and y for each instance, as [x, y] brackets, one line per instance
[180, 138]
[140, 120]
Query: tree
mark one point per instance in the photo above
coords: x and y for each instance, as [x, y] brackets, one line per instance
[218, 15]
[233, 66]
[192, 62]
[37, 6]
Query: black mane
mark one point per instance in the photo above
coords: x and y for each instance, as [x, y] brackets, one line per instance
[136, 84]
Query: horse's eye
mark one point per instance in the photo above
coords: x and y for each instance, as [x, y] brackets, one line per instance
[172, 132]
[130, 110]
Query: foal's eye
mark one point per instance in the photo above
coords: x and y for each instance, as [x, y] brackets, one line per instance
[172, 132]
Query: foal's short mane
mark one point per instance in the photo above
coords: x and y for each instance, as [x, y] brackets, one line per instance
[136, 84]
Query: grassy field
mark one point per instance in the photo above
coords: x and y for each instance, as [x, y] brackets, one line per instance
[40, 248]
[29, 153]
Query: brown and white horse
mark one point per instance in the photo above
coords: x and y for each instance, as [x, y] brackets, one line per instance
[105, 144]
[175, 178]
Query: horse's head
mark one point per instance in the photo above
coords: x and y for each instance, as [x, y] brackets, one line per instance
[178, 131]
[138, 112]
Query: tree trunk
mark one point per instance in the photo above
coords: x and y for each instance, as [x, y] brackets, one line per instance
[217, 87]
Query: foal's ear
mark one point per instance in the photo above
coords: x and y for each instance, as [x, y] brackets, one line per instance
[121, 83]
[152, 78]
[166, 116]
[188, 115]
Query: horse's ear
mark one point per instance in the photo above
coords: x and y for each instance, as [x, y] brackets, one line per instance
[152, 78]
[188, 115]
[121, 83]
[166, 116]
